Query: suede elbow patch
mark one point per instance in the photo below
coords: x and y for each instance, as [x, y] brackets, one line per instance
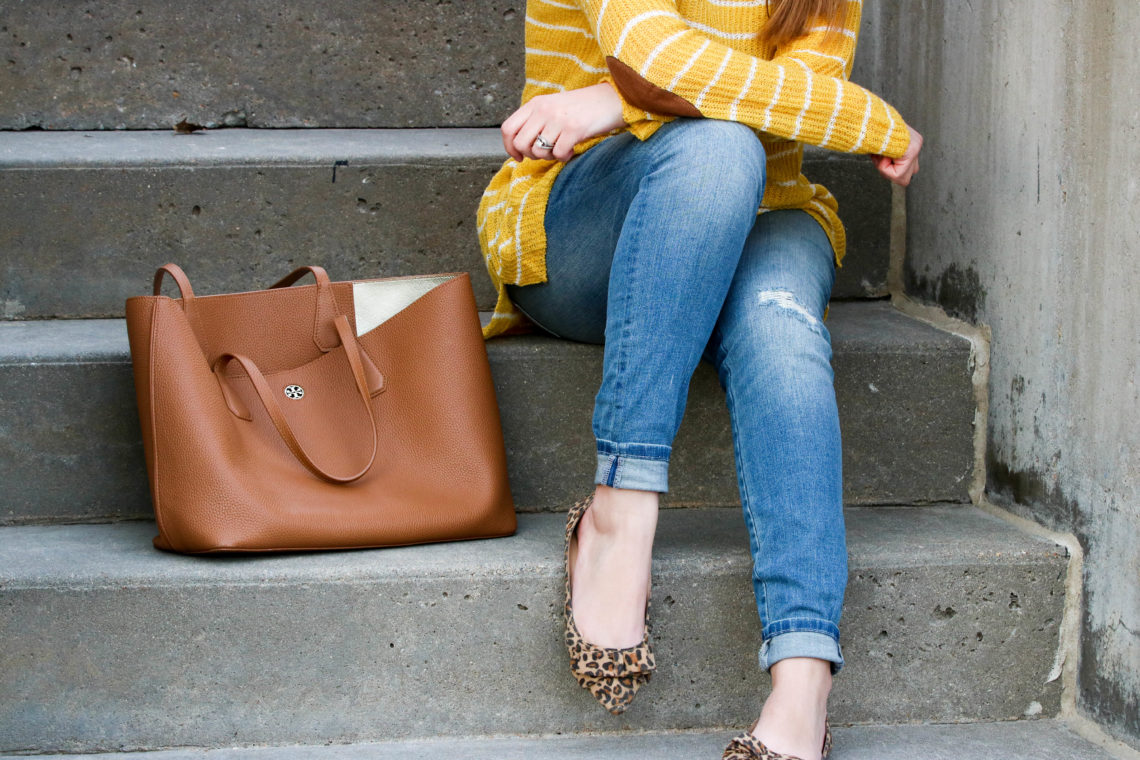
[642, 93]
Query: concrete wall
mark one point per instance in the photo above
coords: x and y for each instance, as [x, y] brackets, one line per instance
[1025, 218]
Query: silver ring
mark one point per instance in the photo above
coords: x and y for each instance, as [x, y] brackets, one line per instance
[542, 143]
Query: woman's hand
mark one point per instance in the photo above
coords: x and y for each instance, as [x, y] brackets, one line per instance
[563, 120]
[900, 170]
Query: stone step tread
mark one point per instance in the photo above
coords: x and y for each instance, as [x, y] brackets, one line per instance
[246, 147]
[1014, 740]
[284, 63]
[263, 63]
[264, 147]
[881, 538]
[241, 203]
[70, 447]
[855, 327]
[340, 646]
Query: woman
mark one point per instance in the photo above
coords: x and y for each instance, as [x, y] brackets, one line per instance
[650, 136]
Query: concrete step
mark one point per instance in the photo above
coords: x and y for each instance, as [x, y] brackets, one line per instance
[951, 616]
[260, 63]
[89, 216]
[267, 63]
[70, 444]
[1020, 740]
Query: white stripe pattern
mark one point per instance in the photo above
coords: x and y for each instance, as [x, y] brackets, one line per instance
[558, 28]
[565, 6]
[657, 50]
[774, 100]
[837, 30]
[807, 98]
[518, 235]
[570, 57]
[718, 33]
[817, 54]
[743, 90]
[692, 60]
[636, 20]
[890, 131]
[723, 64]
[601, 14]
[783, 152]
[866, 121]
[546, 85]
[834, 116]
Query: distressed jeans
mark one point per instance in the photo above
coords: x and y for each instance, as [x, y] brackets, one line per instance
[655, 249]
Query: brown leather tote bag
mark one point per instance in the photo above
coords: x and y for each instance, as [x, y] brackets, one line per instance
[327, 416]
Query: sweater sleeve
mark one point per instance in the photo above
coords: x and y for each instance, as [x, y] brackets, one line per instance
[663, 65]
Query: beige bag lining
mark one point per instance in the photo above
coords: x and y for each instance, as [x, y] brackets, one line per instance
[378, 301]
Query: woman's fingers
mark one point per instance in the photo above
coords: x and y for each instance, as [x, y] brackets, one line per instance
[526, 141]
[510, 130]
[563, 120]
[901, 170]
[564, 148]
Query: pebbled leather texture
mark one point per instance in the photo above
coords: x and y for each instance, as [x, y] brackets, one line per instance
[404, 415]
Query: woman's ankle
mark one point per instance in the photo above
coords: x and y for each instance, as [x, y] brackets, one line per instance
[806, 676]
[611, 570]
[624, 512]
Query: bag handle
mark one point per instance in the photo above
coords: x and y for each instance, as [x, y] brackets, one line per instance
[189, 308]
[269, 401]
[323, 335]
[180, 279]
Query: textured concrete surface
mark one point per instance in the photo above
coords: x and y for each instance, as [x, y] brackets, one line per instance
[340, 63]
[260, 63]
[70, 445]
[905, 404]
[952, 615]
[1024, 219]
[1023, 740]
[89, 216]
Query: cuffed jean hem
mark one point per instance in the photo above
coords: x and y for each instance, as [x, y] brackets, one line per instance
[821, 646]
[634, 466]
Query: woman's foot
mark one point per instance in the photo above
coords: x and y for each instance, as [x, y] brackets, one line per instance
[611, 566]
[792, 721]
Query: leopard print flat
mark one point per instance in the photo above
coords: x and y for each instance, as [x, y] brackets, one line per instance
[748, 747]
[612, 676]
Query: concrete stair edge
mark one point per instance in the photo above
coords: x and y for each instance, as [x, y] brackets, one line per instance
[70, 445]
[1019, 740]
[237, 207]
[341, 646]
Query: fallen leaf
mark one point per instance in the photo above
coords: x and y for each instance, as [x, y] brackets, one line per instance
[185, 128]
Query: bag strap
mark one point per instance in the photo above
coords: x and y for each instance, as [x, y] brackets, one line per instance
[269, 401]
[189, 307]
[180, 279]
[323, 335]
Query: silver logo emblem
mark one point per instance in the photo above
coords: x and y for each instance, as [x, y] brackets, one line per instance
[294, 392]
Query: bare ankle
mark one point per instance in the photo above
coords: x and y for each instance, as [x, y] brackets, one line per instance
[624, 511]
[803, 675]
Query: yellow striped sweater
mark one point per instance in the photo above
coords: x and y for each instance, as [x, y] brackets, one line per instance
[696, 58]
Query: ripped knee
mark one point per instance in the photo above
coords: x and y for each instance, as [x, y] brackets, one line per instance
[785, 299]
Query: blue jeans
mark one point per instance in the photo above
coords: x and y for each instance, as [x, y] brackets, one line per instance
[655, 248]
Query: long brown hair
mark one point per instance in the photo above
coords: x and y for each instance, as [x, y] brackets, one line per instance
[788, 19]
